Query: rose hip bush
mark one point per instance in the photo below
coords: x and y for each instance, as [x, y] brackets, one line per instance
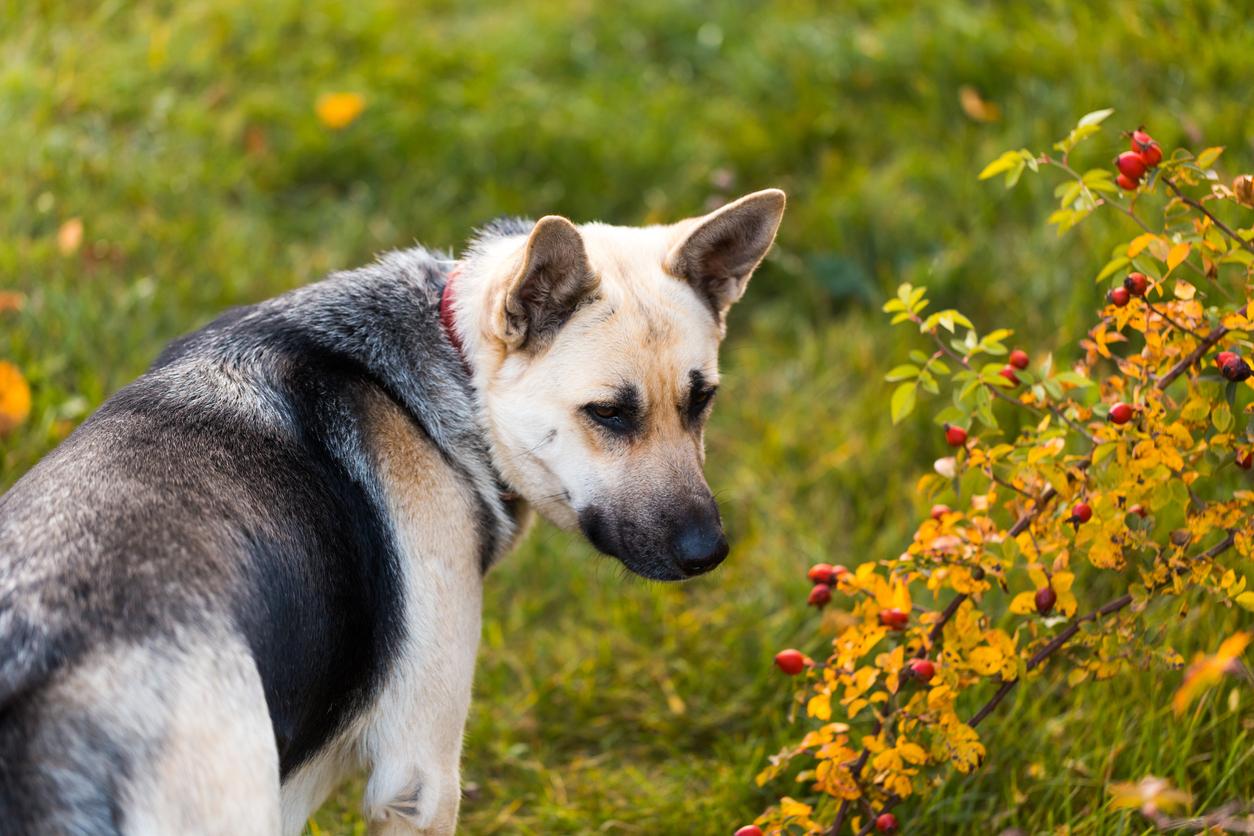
[1133, 462]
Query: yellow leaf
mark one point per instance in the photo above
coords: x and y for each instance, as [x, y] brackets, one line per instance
[14, 397]
[1245, 600]
[1177, 254]
[820, 707]
[1184, 290]
[1023, 603]
[1139, 243]
[338, 110]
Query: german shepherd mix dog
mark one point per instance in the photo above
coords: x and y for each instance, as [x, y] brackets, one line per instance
[259, 567]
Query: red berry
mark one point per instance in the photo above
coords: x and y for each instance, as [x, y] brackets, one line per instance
[819, 595]
[1130, 165]
[1118, 297]
[1126, 183]
[956, 436]
[791, 662]
[1245, 462]
[1139, 510]
[923, 670]
[1008, 372]
[1140, 140]
[749, 830]
[1136, 283]
[1120, 413]
[821, 573]
[939, 511]
[1045, 599]
[1018, 358]
[1223, 358]
[1152, 155]
[1236, 370]
[1081, 513]
[886, 823]
[894, 619]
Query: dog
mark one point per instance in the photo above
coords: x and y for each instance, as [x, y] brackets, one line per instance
[258, 568]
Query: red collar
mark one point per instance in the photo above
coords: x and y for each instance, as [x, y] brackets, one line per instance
[446, 312]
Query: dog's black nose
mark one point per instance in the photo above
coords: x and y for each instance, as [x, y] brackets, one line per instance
[700, 547]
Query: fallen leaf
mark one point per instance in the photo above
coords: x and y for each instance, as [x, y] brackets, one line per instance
[338, 110]
[14, 397]
[70, 236]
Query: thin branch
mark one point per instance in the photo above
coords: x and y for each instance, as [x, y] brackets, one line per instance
[1197, 204]
[1177, 325]
[1196, 354]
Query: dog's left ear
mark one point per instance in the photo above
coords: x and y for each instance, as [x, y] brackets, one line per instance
[719, 252]
[554, 279]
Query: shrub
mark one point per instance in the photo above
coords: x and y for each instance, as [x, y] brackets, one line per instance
[1128, 471]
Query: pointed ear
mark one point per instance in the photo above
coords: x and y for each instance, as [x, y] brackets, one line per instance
[554, 280]
[720, 251]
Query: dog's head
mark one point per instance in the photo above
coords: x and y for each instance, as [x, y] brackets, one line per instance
[596, 354]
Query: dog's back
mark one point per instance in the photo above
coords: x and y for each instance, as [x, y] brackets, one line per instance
[214, 533]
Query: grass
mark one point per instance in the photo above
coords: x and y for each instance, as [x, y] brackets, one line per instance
[183, 136]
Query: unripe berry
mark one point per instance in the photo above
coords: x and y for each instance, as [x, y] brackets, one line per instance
[1126, 183]
[1118, 296]
[922, 670]
[1139, 510]
[791, 662]
[819, 595]
[1018, 358]
[1045, 599]
[749, 830]
[1008, 372]
[822, 573]
[1136, 283]
[939, 511]
[894, 619]
[955, 435]
[1236, 370]
[1120, 413]
[1081, 513]
[1130, 165]
[886, 823]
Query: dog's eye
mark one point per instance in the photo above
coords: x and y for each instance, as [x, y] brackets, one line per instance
[698, 402]
[609, 416]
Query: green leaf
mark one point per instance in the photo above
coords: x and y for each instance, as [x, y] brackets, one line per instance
[1113, 266]
[903, 401]
[905, 371]
[1221, 417]
[1095, 117]
[1073, 378]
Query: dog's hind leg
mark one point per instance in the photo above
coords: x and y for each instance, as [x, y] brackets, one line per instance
[215, 768]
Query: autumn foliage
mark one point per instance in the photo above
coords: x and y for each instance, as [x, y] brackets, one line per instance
[1125, 469]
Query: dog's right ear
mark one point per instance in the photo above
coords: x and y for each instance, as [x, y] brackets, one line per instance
[554, 280]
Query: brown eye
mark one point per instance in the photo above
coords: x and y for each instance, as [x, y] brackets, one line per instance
[616, 419]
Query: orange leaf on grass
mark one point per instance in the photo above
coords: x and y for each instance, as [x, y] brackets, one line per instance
[14, 397]
[339, 110]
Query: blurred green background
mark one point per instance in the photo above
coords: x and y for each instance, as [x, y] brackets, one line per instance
[183, 136]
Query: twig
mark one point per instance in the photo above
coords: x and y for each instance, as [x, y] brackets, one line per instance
[1178, 326]
[1196, 354]
[1197, 204]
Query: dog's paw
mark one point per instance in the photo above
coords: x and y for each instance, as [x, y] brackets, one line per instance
[427, 805]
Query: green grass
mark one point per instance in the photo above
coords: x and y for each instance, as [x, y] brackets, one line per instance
[183, 135]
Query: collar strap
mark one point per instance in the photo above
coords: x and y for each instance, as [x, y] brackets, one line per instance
[446, 313]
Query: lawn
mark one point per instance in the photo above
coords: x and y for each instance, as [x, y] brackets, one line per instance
[183, 137]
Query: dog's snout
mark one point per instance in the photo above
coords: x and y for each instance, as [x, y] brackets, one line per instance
[700, 546]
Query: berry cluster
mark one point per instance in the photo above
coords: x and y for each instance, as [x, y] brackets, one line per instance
[1133, 164]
